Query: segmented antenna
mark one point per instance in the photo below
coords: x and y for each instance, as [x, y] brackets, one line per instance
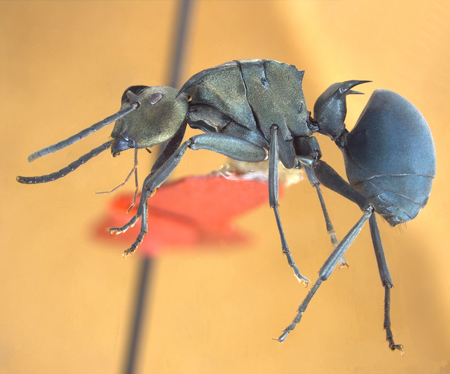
[81, 135]
[68, 169]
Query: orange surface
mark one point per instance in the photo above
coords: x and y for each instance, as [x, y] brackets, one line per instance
[66, 298]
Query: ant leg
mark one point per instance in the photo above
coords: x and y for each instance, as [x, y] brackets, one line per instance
[220, 143]
[169, 150]
[332, 180]
[327, 269]
[330, 228]
[273, 201]
[129, 224]
[386, 281]
[151, 184]
[142, 233]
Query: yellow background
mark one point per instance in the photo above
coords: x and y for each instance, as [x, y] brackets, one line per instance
[66, 299]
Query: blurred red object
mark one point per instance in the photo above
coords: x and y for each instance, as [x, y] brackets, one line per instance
[188, 212]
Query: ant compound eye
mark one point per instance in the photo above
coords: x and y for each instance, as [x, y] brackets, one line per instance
[155, 98]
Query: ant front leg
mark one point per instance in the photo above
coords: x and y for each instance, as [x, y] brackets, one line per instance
[151, 184]
[227, 145]
[170, 150]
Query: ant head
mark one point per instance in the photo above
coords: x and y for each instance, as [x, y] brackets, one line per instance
[159, 115]
[330, 108]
